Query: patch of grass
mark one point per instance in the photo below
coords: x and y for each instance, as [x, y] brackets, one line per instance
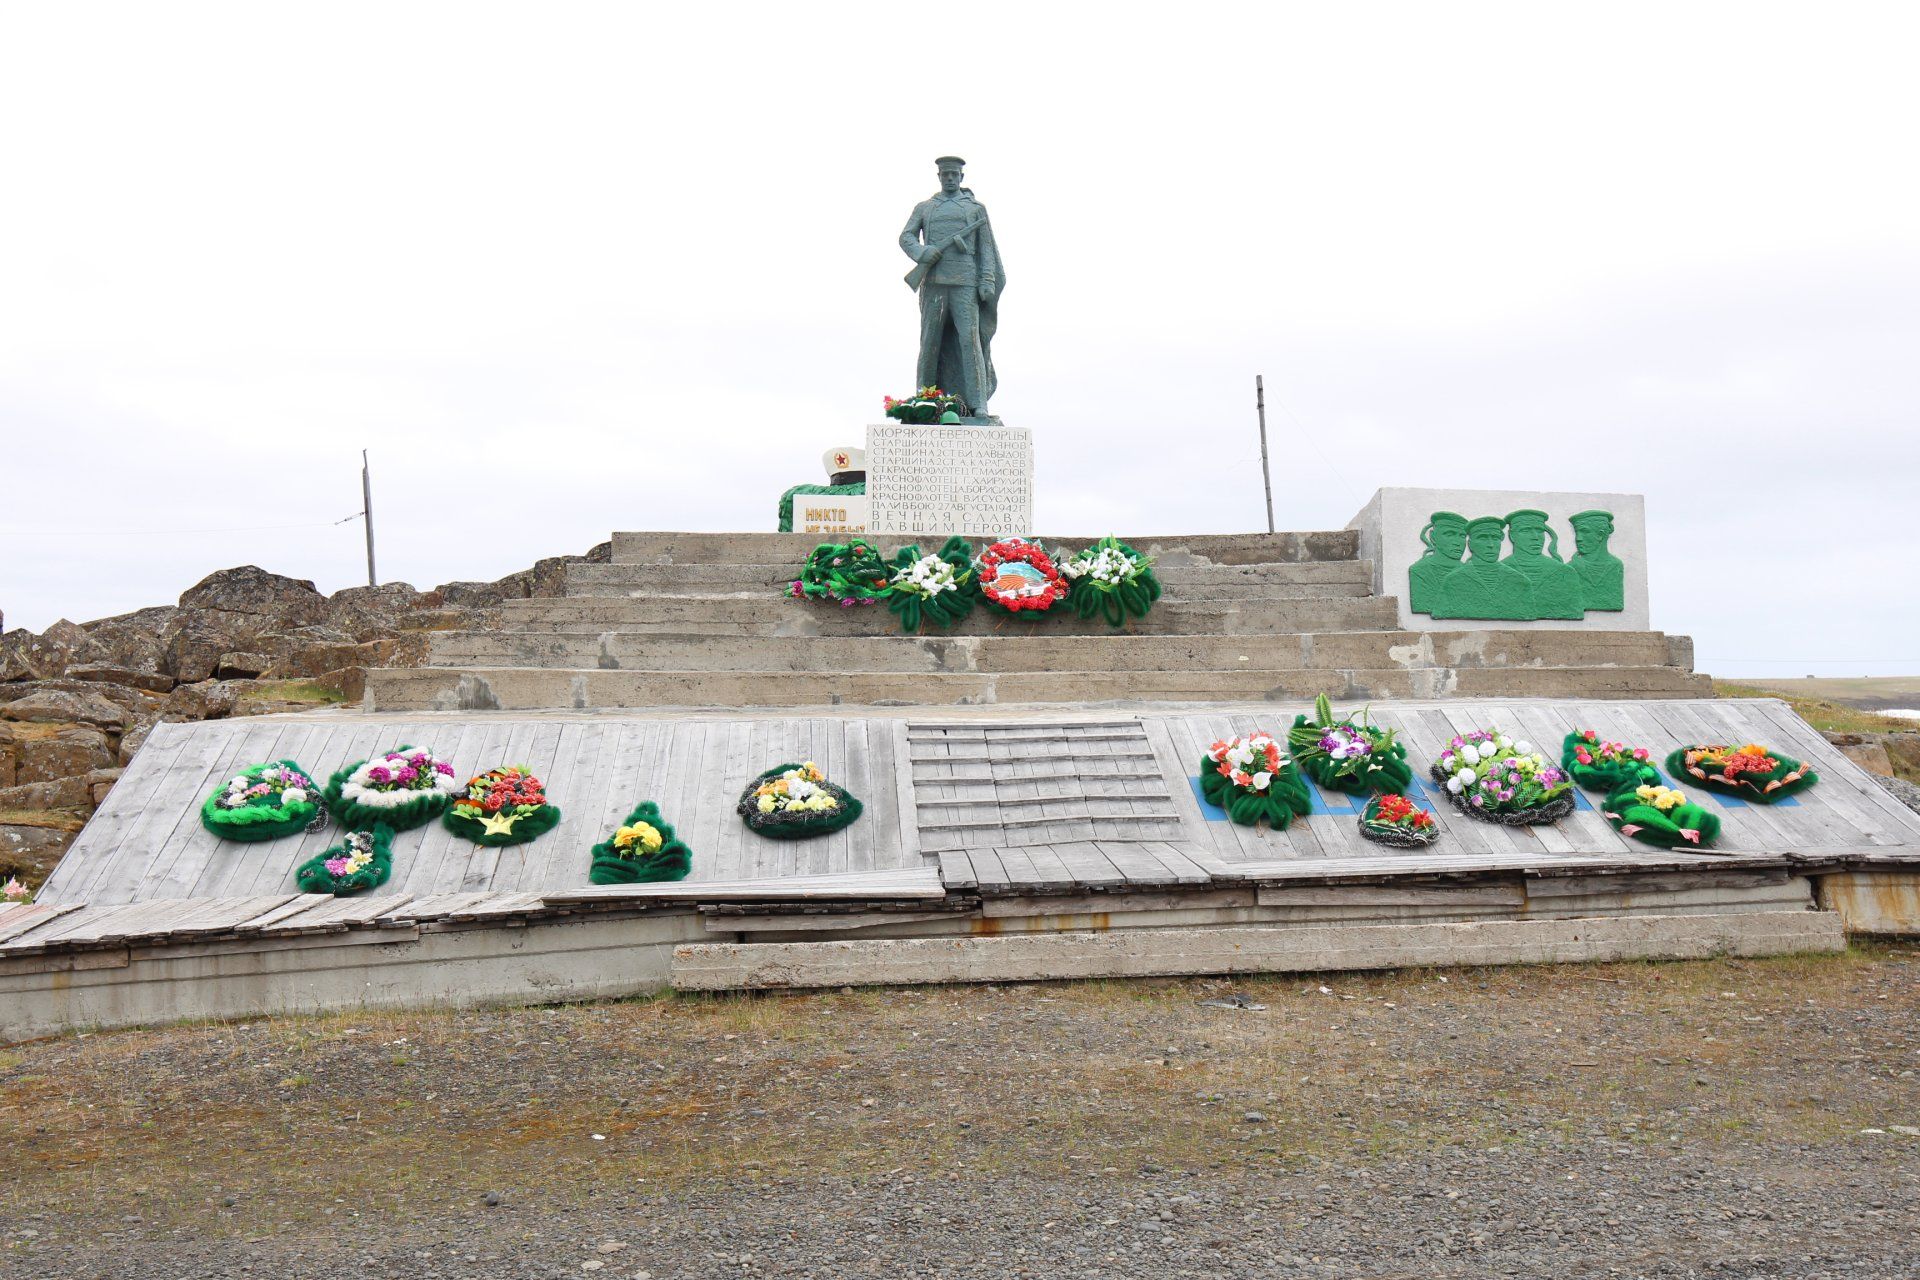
[1828, 717]
[298, 691]
[53, 819]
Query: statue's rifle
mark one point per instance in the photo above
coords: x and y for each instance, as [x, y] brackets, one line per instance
[926, 264]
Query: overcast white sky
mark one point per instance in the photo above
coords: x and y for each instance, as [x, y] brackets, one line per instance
[566, 269]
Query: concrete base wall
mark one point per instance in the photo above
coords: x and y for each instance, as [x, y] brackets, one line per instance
[723, 966]
[373, 969]
[1874, 901]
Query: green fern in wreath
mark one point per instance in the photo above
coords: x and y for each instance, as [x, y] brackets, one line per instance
[362, 860]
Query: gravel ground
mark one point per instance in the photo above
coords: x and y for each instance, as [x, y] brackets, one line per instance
[1717, 1119]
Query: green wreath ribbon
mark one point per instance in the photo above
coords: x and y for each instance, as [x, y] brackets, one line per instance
[671, 861]
[252, 823]
[945, 609]
[1284, 799]
[313, 877]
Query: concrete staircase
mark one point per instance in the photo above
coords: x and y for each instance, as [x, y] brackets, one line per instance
[700, 619]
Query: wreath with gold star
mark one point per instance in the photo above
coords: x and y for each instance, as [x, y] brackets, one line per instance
[502, 806]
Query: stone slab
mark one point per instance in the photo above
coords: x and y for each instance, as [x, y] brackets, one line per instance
[732, 966]
[1390, 525]
[831, 515]
[924, 481]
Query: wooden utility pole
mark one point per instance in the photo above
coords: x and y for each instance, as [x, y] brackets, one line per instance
[1259, 404]
[366, 505]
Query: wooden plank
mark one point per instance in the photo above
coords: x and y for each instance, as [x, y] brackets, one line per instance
[192, 862]
[1089, 864]
[956, 869]
[174, 799]
[24, 919]
[1181, 861]
[905, 884]
[335, 914]
[107, 842]
[574, 778]
[907, 811]
[293, 906]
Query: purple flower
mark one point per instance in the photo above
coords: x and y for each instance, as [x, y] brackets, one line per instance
[441, 766]
[379, 773]
[336, 866]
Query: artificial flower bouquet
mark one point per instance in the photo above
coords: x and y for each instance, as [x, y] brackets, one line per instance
[15, 892]
[923, 406]
[1348, 754]
[501, 807]
[643, 850]
[938, 589]
[1112, 580]
[1019, 577]
[1751, 772]
[404, 789]
[1600, 765]
[1252, 778]
[1660, 815]
[794, 801]
[362, 860]
[264, 802]
[1392, 819]
[843, 573]
[1490, 776]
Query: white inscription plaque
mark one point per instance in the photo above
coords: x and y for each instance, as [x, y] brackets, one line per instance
[829, 513]
[929, 480]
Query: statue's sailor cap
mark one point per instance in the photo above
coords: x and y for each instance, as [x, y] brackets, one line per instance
[1487, 524]
[945, 162]
[1450, 519]
[1601, 521]
[1526, 516]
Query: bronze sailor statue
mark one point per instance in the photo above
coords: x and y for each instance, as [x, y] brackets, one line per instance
[959, 277]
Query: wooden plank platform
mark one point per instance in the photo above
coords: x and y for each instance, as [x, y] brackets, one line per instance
[1000, 806]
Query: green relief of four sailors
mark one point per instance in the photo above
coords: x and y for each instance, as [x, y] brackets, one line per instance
[1531, 582]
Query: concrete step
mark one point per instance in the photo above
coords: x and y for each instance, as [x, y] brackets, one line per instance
[497, 688]
[756, 613]
[1041, 651]
[782, 548]
[1183, 581]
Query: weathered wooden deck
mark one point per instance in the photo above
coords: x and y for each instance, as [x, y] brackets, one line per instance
[980, 824]
[998, 805]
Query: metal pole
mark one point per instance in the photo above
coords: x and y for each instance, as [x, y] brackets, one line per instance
[366, 510]
[1259, 403]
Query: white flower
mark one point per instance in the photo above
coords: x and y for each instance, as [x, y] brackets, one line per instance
[293, 795]
[238, 784]
[1465, 777]
[1470, 753]
[1453, 784]
[1262, 780]
[1504, 741]
[1523, 747]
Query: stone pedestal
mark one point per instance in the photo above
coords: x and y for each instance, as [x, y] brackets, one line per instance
[1597, 583]
[931, 481]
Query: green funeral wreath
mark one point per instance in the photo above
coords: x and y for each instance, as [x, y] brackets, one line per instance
[795, 801]
[642, 851]
[264, 802]
[362, 860]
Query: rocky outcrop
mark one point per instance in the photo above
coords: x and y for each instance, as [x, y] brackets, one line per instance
[78, 699]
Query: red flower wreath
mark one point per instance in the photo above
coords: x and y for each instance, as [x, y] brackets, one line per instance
[1035, 584]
